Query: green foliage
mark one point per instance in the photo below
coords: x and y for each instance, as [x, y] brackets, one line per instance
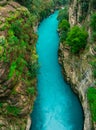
[94, 73]
[94, 4]
[16, 28]
[38, 8]
[2, 40]
[93, 63]
[77, 39]
[18, 50]
[2, 47]
[91, 95]
[63, 14]
[63, 28]
[1, 105]
[12, 69]
[94, 36]
[93, 26]
[85, 6]
[81, 18]
[33, 69]
[15, 111]
[42, 8]
[93, 21]
[31, 90]
[13, 40]
[64, 25]
[1, 50]
[17, 67]
[60, 2]
[26, 3]
[18, 39]
[14, 92]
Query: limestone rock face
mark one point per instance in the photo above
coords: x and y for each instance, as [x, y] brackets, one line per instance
[17, 57]
[79, 74]
[77, 69]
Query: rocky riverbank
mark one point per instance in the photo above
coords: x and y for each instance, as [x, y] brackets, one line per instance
[78, 73]
[77, 68]
[18, 59]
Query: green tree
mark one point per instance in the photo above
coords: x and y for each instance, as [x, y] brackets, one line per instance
[64, 25]
[77, 39]
[63, 28]
[63, 14]
[94, 4]
[93, 22]
[91, 95]
[26, 3]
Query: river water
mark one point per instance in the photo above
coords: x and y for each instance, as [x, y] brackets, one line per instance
[56, 106]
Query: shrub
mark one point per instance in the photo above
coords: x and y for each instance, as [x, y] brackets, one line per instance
[15, 111]
[31, 90]
[77, 39]
[94, 4]
[93, 63]
[94, 36]
[33, 69]
[81, 18]
[94, 73]
[93, 22]
[64, 25]
[63, 14]
[85, 6]
[1, 51]
[1, 105]
[27, 3]
[63, 28]
[2, 40]
[91, 95]
[12, 69]
[93, 26]
[16, 28]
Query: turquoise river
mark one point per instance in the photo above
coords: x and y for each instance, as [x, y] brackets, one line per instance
[56, 106]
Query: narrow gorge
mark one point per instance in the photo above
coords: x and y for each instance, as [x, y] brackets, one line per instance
[36, 92]
[56, 106]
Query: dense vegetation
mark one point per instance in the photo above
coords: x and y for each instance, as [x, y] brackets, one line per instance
[63, 28]
[63, 25]
[93, 26]
[17, 47]
[91, 94]
[17, 51]
[76, 39]
[18, 56]
[41, 8]
[93, 63]
[63, 14]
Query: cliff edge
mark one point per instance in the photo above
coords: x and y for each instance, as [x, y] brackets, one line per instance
[77, 68]
[18, 65]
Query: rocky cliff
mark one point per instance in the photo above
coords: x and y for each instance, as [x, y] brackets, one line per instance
[79, 74]
[18, 59]
[18, 64]
[77, 68]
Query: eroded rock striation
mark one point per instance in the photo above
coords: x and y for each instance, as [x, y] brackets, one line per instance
[77, 68]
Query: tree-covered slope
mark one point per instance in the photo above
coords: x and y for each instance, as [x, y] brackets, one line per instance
[18, 59]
